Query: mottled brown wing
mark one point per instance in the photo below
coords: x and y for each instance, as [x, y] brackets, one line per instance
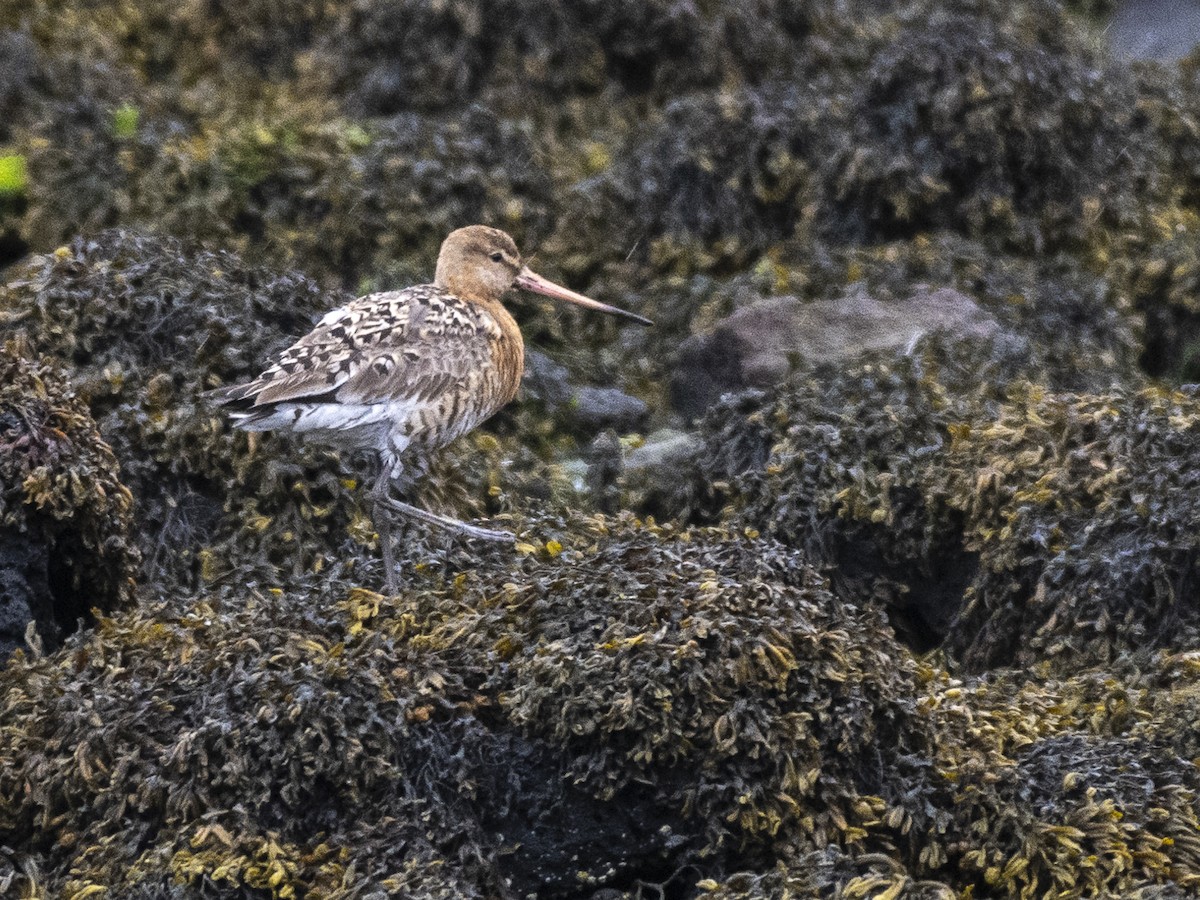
[410, 343]
[447, 346]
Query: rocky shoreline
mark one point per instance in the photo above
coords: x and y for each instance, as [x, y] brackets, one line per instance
[871, 571]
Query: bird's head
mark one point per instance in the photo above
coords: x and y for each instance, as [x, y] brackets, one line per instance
[481, 264]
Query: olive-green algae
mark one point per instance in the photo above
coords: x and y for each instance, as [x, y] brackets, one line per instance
[685, 707]
[66, 521]
[342, 145]
[1010, 522]
[311, 165]
[835, 463]
[626, 674]
[146, 325]
[830, 873]
[1082, 510]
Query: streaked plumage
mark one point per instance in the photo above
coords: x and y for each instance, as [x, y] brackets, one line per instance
[397, 371]
[403, 373]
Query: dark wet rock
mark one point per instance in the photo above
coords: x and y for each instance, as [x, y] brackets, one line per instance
[761, 344]
[597, 408]
[66, 522]
[584, 410]
[545, 379]
[662, 451]
[25, 595]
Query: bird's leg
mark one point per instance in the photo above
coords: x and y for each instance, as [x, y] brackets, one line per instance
[383, 525]
[464, 529]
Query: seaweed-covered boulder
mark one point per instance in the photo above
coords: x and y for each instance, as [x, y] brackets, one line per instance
[1082, 816]
[835, 462]
[1040, 527]
[617, 703]
[1084, 511]
[820, 874]
[403, 55]
[145, 324]
[995, 121]
[721, 177]
[292, 183]
[1160, 270]
[66, 545]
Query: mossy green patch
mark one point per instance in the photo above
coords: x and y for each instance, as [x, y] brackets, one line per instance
[14, 174]
[125, 120]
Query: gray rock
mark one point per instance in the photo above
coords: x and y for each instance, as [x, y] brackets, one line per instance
[652, 476]
[587, 409]
[546, 380]
[758, 346]
[598, 408]
[665, 450]
[604, 470]
[1161, 30]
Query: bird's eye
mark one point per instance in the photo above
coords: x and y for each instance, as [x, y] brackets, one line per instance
[497, 256]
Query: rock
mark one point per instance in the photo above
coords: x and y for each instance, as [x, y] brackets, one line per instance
[598, 408]
[1161, 30]
[652, 471]
[758, 346]
[604, 471]
[545, 379]
[662, 450]
[587, 409]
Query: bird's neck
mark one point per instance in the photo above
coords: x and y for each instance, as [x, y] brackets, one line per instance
[510, 349]
[448, 278]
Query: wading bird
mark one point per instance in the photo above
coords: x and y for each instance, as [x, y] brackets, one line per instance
[403, 373]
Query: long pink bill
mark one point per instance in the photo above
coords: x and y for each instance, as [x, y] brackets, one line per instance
[531, 281]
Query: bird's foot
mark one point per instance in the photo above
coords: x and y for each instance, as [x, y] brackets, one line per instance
[465, 529]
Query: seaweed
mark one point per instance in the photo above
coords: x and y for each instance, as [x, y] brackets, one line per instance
[1084, 816]
[694, 697]
[146, 325]
[836, 463]
[1003, 124]
[1007, 523]
[1081, 508]
[66, 526]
